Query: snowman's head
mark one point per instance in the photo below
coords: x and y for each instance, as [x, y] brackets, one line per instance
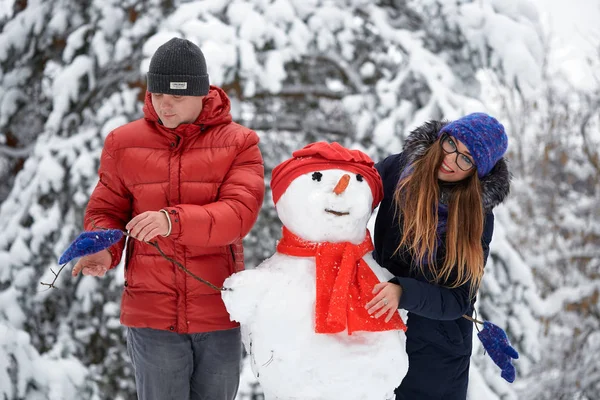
[326, 193]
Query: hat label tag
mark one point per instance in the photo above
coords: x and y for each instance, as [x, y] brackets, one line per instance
[178, 85]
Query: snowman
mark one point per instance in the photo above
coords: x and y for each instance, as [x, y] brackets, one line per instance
[302, 311]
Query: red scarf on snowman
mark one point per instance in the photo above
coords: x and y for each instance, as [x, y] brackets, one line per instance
[345, 284]
[344, 281]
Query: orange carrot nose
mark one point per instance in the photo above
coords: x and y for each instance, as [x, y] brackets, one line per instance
[342, 184]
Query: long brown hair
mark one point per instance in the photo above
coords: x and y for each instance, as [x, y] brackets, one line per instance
[417, 199]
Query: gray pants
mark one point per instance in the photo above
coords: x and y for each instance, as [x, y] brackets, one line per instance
[198, 366]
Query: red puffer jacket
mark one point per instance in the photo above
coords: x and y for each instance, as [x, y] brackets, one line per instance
[209, 176]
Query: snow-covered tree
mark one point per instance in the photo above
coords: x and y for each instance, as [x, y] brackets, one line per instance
[553, 221]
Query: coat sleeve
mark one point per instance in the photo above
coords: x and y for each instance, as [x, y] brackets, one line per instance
[110, 204]
[231, 217]
[385, 166]
[436, 302]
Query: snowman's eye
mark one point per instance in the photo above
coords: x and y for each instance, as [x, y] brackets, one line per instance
[359, 177]
[317, 176]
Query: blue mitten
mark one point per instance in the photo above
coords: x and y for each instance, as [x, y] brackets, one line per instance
[496, 343]
[90, 242]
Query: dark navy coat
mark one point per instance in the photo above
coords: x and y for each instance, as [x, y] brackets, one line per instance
[438, 339]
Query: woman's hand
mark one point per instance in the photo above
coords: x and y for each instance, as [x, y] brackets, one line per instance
[386, 300]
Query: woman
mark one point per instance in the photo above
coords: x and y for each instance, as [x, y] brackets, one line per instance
[433, 232]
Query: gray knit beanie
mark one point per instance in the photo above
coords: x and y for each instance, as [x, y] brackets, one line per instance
[178, 67]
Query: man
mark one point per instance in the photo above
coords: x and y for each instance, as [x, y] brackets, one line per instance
[193, 181]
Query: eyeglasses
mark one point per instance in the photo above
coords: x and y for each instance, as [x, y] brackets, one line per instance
[463, 161]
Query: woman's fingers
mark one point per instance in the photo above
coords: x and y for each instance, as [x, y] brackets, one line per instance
[375, 303]
[386, 300]
[384, 309]
[377, 288]
[380, 300]
[391, 313]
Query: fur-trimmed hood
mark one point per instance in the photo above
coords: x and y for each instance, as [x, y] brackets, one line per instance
[495, 185]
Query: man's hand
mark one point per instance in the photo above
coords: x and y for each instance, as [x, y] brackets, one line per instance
[386, 300]
[93, 264]
[147, 225]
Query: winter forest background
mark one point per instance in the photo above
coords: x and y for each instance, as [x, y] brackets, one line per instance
[361, 72]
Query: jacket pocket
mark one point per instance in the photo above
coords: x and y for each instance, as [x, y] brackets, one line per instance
[237, 256]
[451, 333]
[232, 264]
[128, 256]
[444, 335]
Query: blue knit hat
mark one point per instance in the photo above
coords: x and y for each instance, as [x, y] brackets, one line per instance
[483, 135]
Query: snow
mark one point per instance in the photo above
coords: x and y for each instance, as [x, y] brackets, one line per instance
[58, 379]
[122, 49]
[518, 51]
[59, 21]
[51, 174]
[103, 51]
[478, 387]
[66, 88]
[275, 71]
[251, 25]
[113, 18]
[280, 10]
[9, 104]
[384, 132]
[222, 58]
[13, 32]
[75, 41]
[157, 40]
[299, 37]
[6, 8]
[19, 253]
[45, 221]
[16, 78]
[193, 10]
[573, 34]
[9, 308]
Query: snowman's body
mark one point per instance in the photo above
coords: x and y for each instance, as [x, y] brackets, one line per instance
[275, 305]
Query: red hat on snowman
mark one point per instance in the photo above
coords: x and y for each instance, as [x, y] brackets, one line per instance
[321, 156]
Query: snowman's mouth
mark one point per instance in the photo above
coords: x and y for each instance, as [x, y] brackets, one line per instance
[337, 213]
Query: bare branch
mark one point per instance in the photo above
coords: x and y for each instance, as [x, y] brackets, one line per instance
[302, 91]
[51, 285]
[284, 124]
[153, 244]
[346, 69]
[13, 152]
[184, 269]
[578, 256]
